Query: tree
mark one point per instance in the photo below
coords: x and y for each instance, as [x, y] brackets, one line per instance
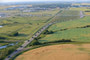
[3, 37]
[14, 34]
[48, 32]
[34, 42]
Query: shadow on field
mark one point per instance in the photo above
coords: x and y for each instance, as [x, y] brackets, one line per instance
[87, 26]
[60, 41]
[22, 35]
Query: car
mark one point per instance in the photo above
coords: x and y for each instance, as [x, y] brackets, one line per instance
[9, 56]
[21, 46]
[28, 40]
[19, 50]
[16, 50]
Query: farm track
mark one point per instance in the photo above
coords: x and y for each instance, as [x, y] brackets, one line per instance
[81, 14]
[22, 47]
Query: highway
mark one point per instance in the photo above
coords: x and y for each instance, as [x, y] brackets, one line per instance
[21, 48]
[28, 41]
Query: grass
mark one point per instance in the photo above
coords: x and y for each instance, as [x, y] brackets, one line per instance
[2, 44]
[66, 15]
[26, 26]
[80, 9]
[73, 33]
[71, 24]
[48, 44]
[80, 35]
[52, 12]
[87, 13]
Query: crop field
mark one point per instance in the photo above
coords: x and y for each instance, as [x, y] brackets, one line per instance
[52, 12]
[87, 13]
[58, 52]
[82, 9]
[16, 29]
[19, 12]
[27, 26]
[66, 15]
[73, 30]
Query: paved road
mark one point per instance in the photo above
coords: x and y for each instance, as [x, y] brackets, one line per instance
[21, 48]
[28, 41]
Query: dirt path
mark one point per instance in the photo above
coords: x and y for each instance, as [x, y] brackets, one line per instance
[81, 14]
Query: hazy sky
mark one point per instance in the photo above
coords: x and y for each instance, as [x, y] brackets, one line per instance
[38, 0]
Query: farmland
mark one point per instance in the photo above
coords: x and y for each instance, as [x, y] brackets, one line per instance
[84, 9]
[26, 27]
[80, 8]
[17, 29]
[73, 30]
[58, 52]
[66, 15]
[69, 28]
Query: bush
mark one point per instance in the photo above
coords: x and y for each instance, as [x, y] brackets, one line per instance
[48, 32]
[14, 34]
[58, 41]
[7, 51]
[87, 11]
[3, 37]
[63, 29]
[34, 42]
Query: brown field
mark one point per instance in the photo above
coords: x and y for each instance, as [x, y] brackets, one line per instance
[58, 52]
[87, 13]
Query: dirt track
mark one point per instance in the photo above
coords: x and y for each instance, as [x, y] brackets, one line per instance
[58, 52]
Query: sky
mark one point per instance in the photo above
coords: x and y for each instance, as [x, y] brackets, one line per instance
[37, 0]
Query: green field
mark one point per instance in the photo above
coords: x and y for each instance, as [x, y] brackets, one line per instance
[26, 26]
[82, 9]
[21, 26]
[72, 26]
[66, 15]
[72, 30]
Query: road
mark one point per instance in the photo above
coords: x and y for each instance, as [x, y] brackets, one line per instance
[21, 48]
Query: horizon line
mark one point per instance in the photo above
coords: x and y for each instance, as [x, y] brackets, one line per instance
[44, 1]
